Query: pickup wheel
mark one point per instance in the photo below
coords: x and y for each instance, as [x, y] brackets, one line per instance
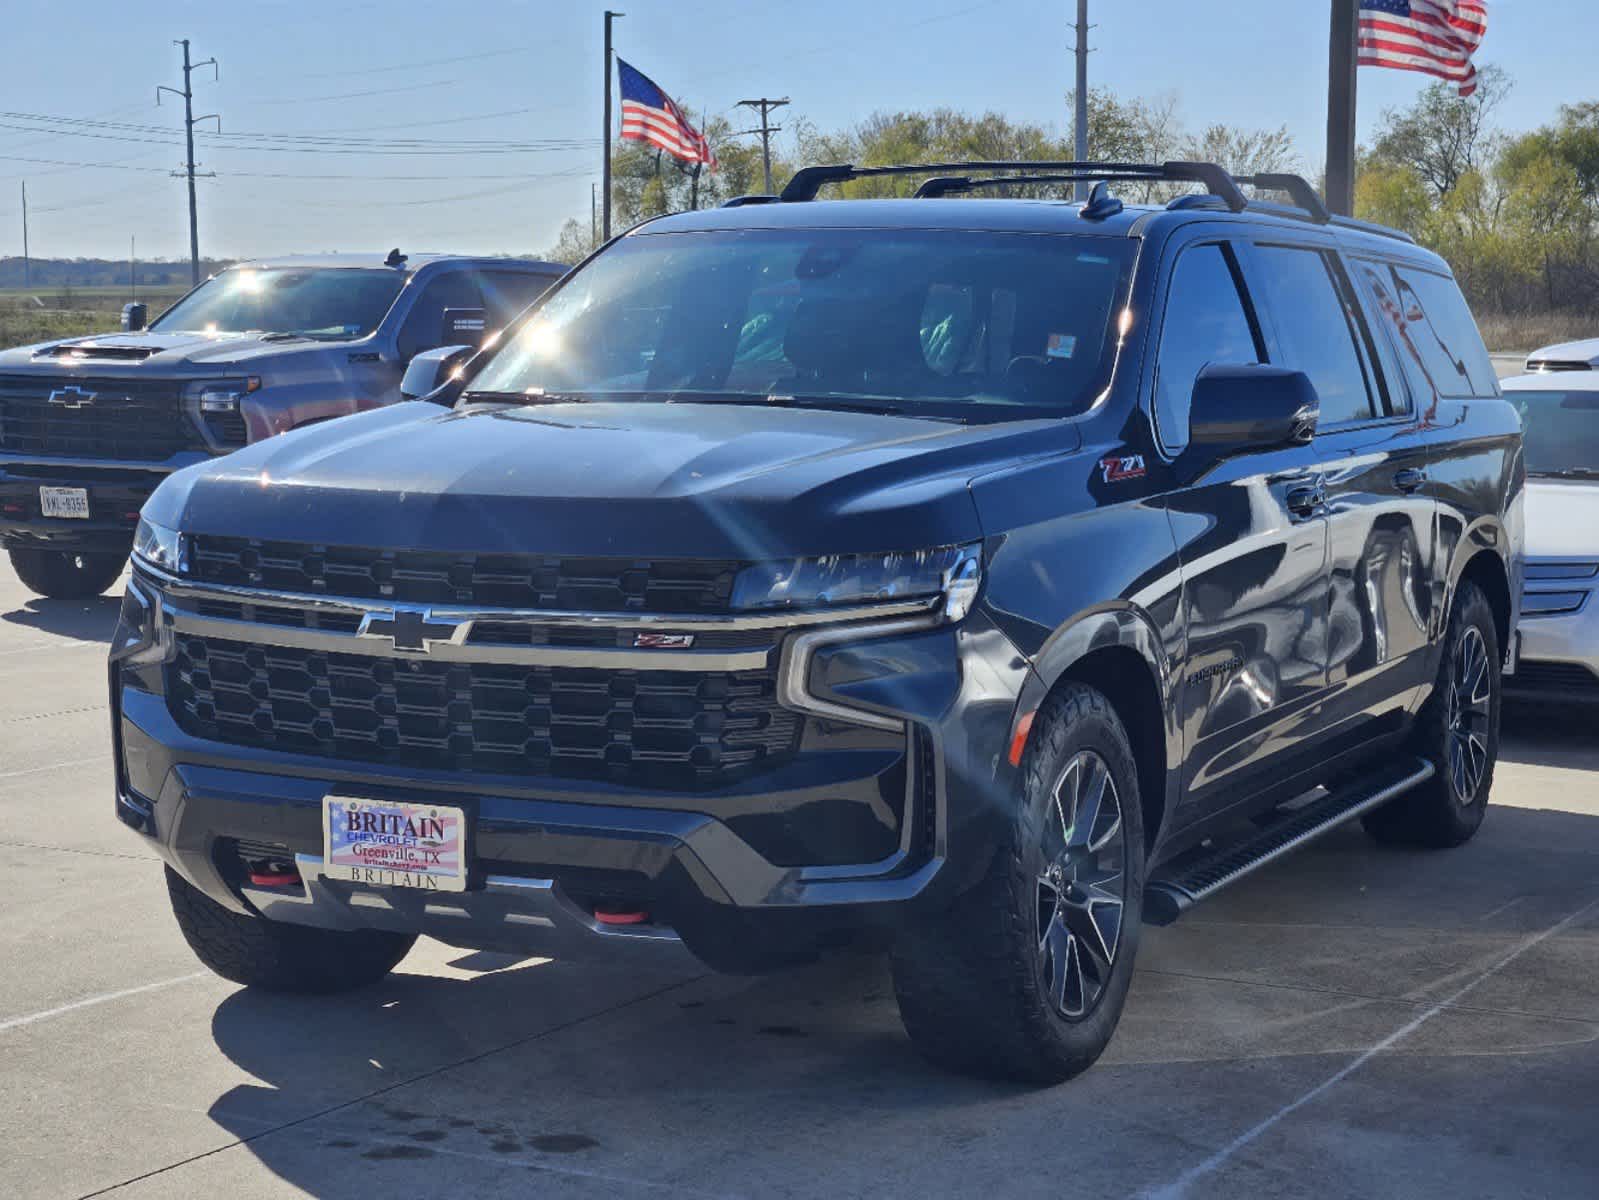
[1024, 977]
[277, 957]
[1457, 730]
[66, 574]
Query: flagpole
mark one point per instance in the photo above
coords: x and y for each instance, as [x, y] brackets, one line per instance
[605, 174]
[1342, 59]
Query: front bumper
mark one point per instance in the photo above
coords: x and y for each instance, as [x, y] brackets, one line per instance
[1559, 652]
[716, 870]
[116, 494]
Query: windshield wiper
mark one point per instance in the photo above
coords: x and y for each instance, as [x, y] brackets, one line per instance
[780, 400]
[528, 397]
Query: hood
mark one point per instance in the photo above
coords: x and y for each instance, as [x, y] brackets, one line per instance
[1586, 351]
[659, 480]
[153, 351]
[1563, 519]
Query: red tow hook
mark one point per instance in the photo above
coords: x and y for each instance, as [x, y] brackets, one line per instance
[613, 917]
[274, 878]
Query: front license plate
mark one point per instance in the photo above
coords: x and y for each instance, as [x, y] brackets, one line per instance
[391, 844]
[64, 502]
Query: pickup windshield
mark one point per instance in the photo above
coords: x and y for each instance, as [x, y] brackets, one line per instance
[959, 323]
[1560, 432]
[328, 302]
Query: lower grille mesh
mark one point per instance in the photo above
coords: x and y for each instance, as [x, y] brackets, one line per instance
[671, 729]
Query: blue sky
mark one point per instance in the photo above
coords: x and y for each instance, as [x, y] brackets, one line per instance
[384, 69]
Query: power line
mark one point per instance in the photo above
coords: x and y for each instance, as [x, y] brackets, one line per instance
[317, 144]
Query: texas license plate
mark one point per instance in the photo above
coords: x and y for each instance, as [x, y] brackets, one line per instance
[391, 844]
[64, 502]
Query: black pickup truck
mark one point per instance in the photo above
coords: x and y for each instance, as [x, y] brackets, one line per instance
[89, 426]
[979, 577]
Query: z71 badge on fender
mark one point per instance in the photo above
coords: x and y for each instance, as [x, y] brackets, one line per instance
[1118, 468]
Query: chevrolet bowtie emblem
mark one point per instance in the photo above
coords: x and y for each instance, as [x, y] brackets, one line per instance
[71, 397]
[412, 630]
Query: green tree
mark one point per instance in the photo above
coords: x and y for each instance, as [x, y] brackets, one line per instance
[1442, 136]
[1393, 195]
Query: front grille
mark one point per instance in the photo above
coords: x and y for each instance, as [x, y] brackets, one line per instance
[227, 428]
[661, 729]
[482, 580]
[1555, 677]
[136, 420]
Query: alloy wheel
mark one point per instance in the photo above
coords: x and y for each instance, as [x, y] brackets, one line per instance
[1470, 707]
[1082, 886]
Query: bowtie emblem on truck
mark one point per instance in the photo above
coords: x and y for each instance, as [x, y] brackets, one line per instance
[412, 630]
[72, 397]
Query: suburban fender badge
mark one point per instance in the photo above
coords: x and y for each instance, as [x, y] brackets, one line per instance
[1119, 468]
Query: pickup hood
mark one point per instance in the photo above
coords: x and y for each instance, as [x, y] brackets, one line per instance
[666, 480]
[179, 352]
[1563, 519]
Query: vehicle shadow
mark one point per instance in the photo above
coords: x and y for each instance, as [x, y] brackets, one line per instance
[1551, 735]
[81, 620]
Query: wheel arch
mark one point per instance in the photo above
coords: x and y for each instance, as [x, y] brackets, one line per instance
[1119, 652]
[1487, 570]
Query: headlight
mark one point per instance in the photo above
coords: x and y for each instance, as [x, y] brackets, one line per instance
[220, 395]
[159, 546]
[953, 572]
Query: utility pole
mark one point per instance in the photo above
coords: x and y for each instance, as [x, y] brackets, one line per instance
[1080, 121]
[1342, 56]
[594, 214]
[605, 178]
[133, 268]
[25, 233]
[766, 130]
[189, 121]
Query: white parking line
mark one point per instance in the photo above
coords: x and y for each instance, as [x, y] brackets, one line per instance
[91, 1001]
[55, 766]
[1178, 1187]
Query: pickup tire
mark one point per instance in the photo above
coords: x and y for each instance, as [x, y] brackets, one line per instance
[277, 957]
[1013, 981]
[1457, 731]
[66, 574]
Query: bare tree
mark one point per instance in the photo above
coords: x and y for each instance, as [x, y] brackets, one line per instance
[1442, 137]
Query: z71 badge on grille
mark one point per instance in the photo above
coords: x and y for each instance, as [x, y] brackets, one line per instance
[662, 641]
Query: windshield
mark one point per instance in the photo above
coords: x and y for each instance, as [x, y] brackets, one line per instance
[326, 302]
[1560, 431]
[929, 321]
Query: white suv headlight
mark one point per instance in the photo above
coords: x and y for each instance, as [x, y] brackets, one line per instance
[954, 572]
[159, 547]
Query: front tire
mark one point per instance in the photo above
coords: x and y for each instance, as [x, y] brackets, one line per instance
[1458, 732]
[1024, 977]
[66, 574]
[276, 957]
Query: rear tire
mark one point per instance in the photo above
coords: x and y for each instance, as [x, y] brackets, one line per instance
[1457, 731]
[1025, 975]
[66, 574]
[277, 957]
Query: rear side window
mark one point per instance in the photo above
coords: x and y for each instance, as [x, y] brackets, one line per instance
[507, 293]
[1206, 322]
[1314, 332]
[1437, 336]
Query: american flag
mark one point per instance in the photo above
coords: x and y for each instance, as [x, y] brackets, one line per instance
[650, 115]
[1435, 37]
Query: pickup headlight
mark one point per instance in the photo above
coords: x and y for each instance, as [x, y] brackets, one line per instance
[159, 547]
[953, 572]
[213, 404]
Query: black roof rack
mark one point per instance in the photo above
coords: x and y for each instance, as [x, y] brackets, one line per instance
[807, 181]
[1298, 189]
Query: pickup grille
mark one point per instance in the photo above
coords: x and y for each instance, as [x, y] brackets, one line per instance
[483, 580]
[661, 729]
[134, 420]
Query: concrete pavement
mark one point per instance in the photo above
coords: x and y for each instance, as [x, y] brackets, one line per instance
[1355, 1021]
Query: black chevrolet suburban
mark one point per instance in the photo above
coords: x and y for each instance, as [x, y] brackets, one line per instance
[90, 425]
[974, 577]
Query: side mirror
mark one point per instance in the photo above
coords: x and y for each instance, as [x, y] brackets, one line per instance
[430, 370]
[134, 317]
[464, 326]
[1242, 407]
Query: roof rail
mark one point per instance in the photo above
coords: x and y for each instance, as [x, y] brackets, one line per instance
[807, 181]
[742, 201]
[1298, 189]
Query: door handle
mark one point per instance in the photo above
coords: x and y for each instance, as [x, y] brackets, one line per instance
[1410, 479]
[1305, 502]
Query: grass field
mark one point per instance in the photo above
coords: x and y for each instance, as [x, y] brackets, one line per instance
[40, 314]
